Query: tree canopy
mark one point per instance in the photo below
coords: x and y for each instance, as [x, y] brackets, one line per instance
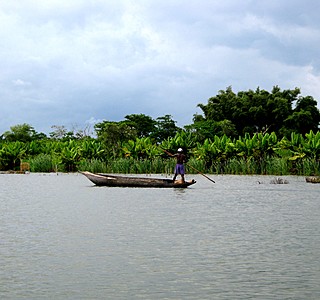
[136, 126]
[143, 125]
[257, 111]
[23, 133]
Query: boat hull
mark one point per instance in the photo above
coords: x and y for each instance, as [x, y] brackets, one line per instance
[126, 181]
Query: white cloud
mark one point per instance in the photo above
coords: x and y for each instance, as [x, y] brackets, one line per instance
[65, 62]
[20, 82]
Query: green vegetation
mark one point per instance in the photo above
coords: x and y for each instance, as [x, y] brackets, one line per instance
[257, 111]
[245, 133]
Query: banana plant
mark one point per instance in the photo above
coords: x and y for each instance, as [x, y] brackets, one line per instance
[241, 147]
[91, 149]
[226, 146]
[182, 139]
[51, 147]
[11, 155]
[70, 155]
[140, 148]
[311, 145]
[206, 150]
[264, 145]
[35, 147]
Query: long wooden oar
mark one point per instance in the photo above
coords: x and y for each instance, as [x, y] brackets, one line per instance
[191, 167]
[200, 172]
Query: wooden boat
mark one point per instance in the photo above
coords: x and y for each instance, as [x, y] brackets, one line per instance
[127, 181]
[313, 179]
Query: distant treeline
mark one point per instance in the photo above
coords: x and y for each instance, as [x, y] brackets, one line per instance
[252, 132]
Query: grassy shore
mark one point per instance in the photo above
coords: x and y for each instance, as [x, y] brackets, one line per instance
[240, 166]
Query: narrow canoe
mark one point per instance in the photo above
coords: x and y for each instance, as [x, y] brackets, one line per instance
[127, 181]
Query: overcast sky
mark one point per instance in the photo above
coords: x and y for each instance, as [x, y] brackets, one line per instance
[74, 62]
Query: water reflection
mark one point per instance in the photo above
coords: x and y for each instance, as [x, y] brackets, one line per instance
[180, 193]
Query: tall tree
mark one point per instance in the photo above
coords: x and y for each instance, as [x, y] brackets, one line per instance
[143, 124]
[21, 132]
[112, 134]
[305, 116]
[60, 133]
[259, 111]
[165, 128]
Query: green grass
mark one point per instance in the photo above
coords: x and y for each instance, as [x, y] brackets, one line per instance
[308, 167]
[93, 166]
[236, 166]
[43, 163]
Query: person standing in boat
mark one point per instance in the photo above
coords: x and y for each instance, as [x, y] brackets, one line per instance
[179, 168]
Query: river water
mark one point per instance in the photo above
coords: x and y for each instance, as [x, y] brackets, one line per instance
[240, 238]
